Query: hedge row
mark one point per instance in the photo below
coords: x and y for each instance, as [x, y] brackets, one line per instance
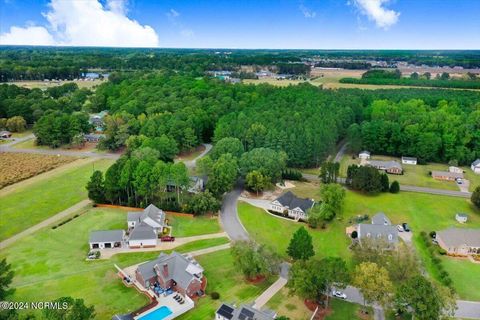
[435, 251]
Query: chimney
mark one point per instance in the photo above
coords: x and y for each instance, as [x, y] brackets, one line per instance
[165, 270]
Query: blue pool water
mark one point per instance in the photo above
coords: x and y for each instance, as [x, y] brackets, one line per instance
[159, 314]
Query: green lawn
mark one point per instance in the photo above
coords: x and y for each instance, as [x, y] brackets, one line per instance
[225, 279]
[34, 203]
[289, 305]
[346, 310]
[463, 272]
[51, 263]
[186, 226]
[310, 190]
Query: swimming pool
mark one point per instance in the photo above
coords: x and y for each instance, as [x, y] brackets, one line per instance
[158, 314]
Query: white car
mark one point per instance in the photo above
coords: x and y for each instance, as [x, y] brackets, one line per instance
[339, 294]
[400, 228]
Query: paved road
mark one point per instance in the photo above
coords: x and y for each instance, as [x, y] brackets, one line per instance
[193, 163]
[45, 223]
[229, 215]
[468, 309]
[436, 191]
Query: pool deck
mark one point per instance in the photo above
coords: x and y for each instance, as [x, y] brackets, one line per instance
[168, 301]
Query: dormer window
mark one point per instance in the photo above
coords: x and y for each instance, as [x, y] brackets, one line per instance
[368, 235]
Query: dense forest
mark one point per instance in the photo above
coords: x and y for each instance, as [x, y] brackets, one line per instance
[31, 63]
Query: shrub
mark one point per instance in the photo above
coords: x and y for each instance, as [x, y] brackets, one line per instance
[97, 254]
[433, 234]
[442, 251]
[215, 295]
[54, 227]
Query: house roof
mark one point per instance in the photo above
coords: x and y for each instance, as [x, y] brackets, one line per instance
[409, 158]
[180, 268]
[106, 236]
[385, 164]
[153, 216]
[291, 201]
[462, 215]
[476, 163]
[376, 231]
[133, 216]
[365, 152]
[2, 132]
[143, 231]
[454, 237]
[245, 312]
[381, 218]
[447, 174]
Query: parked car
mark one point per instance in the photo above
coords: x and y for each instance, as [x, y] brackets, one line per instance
[406, 227]
[400, 228]
[92, 255]
[167, 239]
[339, 294]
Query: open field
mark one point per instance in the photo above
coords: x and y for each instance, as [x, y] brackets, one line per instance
[310, 190]
[225, 279]
[30, 204]
[416, 175]
[50, 84]
[51, 264]
[31, 144]
[187, 227]
[422, 211]
[15, 167]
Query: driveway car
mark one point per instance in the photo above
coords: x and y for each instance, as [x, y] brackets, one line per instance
[167, 239]
[400, 228]
[406, 227]
[339, 294]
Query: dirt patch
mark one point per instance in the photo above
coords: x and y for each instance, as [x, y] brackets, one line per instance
[257, 279]
[286, 185]
[268, 194]
[362, 315]
[188, 154]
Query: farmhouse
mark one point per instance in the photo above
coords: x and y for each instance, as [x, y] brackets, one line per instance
[409, 160]
[5, 134]
[364, 155]
[245, 312]
[295, 207]
[459, 241]
[380, 229]
[476, 166]
[445, 175]
[455, 169]
[106, 239]
[392, 167]
[181, 273]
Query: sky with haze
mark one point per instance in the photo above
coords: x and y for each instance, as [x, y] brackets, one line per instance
[275, 24]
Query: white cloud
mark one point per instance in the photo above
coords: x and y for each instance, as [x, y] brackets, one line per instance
[172, 14]
[307, 13]
[85, 23]
[375, 10]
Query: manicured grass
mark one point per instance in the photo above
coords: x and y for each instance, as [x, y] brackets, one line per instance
[224, 278]
[32, 204]
[463, 272]
[29, 144]
[51, 263]
[310, 190]
[187, 227]
[289, 305]
[276, 232]
[346, 310]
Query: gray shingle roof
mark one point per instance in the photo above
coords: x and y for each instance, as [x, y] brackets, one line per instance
[447, 174]
[385, 164]
[106, 236]
[291, 201]
[153, 213]
[142, 231]
[378, 231]
[381, 218]
[476, 163]
[134, 216]
[244, 312]
[409, 158]
[454, 237]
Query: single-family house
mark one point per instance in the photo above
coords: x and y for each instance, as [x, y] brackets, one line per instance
[392, 167]
[296, 208]
[380, 229]
[244, 312]
[461, 217]
[364, 155]
[459, 241]
[476, 166]
[455, 169]
[409, 160]
[197, 184]
[93, 137]
[448, 176]
[4, 134]
[106, 239]
[97, 120]
[145, 226]
[181, 273]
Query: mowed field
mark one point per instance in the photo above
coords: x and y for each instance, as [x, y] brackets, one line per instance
[32, 203]
[50, 84]
[51, 263]
[16, 167]
[423, 212]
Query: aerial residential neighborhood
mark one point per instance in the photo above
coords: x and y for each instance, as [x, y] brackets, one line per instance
[239, 160]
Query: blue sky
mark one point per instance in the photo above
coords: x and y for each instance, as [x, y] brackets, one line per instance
[309, 24]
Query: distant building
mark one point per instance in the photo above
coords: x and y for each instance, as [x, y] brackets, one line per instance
[409, 160]
[97, 120]
[93, 137]
[445, 175]
[296, 208]
[459, 241]
[455, 169]
[244, 312]
[476, 166]
[364, 155]
[461, 217]
[392, 167]
[5, 134]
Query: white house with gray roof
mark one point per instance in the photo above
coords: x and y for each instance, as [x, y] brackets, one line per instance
[476, 166]
[296, 208]
[106, 239]
[381, 229]
[244, 312]
[459, 241]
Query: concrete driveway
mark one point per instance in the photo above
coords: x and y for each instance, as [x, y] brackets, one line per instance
[406, 237]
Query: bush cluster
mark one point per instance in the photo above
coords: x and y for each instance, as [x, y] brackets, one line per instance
[434, 251]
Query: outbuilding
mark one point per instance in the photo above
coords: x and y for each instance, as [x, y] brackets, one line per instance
[106, 239]
[364, 155]
[476, 166]
[409, 160]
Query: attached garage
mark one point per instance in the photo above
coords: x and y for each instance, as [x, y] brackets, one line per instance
[106, 239]
[143, 236]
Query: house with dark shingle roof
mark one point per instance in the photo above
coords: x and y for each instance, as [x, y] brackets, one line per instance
[244, 312]
[459, 241]
[296, 208]
[176, 271]
[380, 230]
[392, 167]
